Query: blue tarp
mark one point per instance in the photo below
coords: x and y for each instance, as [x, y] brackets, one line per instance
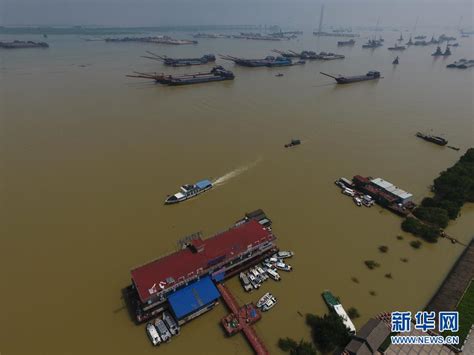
[203, 184]
[193, 297]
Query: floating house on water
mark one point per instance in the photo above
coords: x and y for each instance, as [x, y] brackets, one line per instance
[183, 281]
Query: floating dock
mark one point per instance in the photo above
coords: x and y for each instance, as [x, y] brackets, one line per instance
[241, 319]
[157, 284]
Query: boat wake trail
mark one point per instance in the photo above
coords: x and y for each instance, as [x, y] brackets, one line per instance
[234, 173]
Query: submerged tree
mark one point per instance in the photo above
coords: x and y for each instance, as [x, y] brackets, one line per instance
[328, 331]
[353, 313]
[371, 264]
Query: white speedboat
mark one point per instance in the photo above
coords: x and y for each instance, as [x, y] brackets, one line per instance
[171, 323]
[267, 265]
[245, 282]
[162, 330]
[264, 299]
[257, 275]
[253, 281]
[262, 273]
[270, 303]
[357, 201]
[153, 334]
[273, 274]
[284, 254]
[348, 192]
[367, 201]
[282, 266]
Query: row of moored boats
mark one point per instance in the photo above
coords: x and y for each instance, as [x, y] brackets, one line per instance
[161, 330]
[254, 277]
[347, 188]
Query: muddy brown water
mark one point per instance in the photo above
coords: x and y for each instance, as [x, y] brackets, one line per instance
[88, 156]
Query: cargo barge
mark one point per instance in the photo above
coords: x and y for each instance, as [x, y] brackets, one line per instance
[217, 73]
[371, 75]
[350, 42]
[433, 139]
[181, 62]
[169, 282]
[151, 39]
[269, 61]
[309, 55]
[23, 44]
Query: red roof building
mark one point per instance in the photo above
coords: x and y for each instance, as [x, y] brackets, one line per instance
[198, 259]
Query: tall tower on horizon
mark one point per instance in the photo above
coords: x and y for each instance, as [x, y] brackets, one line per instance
[321, 16]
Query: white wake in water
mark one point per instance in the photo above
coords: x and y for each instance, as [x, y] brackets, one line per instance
[234, 173]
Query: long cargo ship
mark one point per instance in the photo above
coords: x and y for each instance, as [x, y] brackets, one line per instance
[433, 139]
[170, 281]
[371, 75]
[182, 62]
[336, 34]
[269, 61]
[217, 73]
[336, 306]
[350, 42]
[189, 191]
[23, 44]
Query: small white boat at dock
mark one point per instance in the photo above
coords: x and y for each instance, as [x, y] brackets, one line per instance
[282, 266]
[153, 334]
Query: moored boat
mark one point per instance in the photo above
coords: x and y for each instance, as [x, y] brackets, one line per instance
[269, 61]
[283, 254]
[245, 282]
[371, 75]
[171, 323]
[182, 62]
[357, 201]
[350, 42]
[267, 296]
[431, 138]
[397, 47]
[282, 266]
[334, 304]
[23, 44]
[163, 331]
[373, 43]
[269, 304]
[153, 334]
[273, 274]
[217, 73]
[189, 191]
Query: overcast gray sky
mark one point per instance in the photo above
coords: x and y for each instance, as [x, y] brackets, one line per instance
[221, 12]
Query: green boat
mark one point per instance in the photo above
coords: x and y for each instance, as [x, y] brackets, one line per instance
[335, 306]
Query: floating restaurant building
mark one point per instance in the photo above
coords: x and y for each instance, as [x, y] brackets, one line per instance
[184, 280]
[385, 194]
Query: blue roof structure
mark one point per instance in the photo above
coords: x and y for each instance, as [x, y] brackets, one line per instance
[203, 184]
[193, 297]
